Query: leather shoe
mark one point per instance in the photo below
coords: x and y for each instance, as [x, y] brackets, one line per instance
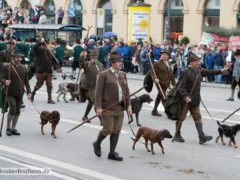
[15, 132]
[85, 118]
[115, 156]
[230, 99]
[51, 102]
[179, 138]
[9, 132]
[156, 113]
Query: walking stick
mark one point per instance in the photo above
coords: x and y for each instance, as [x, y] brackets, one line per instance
[154, 73]
[106, 109]
[47, 47]
[184, 109]
[5, 104]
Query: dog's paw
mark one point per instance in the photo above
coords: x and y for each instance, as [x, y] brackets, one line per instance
[53, 135]
[139, 125]
[235, 146]
[224, 144]
[66, 102]
[163, 152]
[153, 153]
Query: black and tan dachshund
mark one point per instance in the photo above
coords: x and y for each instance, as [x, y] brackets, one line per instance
[137, 106]
[229, 132]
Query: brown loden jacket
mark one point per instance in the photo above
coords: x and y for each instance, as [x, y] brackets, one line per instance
[164, 74]
[186, 82]
[107, 92]
[88, 78]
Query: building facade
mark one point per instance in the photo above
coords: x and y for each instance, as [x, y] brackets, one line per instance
[168, 18]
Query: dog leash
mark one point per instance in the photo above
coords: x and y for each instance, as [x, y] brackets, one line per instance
[224, 118]
[207, 110]
[130, 126]
[230, 115]
[22, 84]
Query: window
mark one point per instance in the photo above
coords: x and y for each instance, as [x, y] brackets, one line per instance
[178, 3]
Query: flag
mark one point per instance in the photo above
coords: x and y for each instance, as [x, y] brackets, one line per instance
[71, 9]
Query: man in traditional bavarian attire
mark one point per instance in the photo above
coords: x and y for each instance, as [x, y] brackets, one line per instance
[5, 55]
[88, 79]
[189, 86]
[164, 76]
[59, 51]
[15, 78]
[43, 64]
[77, 49]
[111, 87]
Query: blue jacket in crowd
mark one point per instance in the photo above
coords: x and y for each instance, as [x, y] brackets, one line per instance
[208, 60]
[125, 52]
[156, 53]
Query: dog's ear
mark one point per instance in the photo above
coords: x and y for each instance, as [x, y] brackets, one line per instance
[161, 135]
[56, 115]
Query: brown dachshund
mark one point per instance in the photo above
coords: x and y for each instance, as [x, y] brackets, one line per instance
[154, 136]
[52, 117]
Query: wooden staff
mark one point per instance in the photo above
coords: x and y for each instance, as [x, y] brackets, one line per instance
[154, 73]
[47, 47]
[88, 120]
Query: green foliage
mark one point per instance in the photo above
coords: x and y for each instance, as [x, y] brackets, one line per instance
[222, 31]
[185, 40]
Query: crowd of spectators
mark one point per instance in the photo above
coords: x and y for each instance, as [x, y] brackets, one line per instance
[136, 55]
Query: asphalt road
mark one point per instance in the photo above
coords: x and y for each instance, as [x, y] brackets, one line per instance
[71, 156]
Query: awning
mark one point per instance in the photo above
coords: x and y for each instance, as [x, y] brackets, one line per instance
[47, 27]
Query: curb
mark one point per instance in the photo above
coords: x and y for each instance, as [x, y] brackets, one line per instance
[204, 84]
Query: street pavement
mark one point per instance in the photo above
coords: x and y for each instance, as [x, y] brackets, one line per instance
[71, 156]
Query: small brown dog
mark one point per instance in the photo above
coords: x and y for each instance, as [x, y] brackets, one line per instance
[154, 136]
[52, 117]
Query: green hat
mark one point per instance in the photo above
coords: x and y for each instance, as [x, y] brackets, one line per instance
[94, 52]
[115, 57]
[193, 57]
[16, 52]
[165, 51]
[11, 41]
[237, 53]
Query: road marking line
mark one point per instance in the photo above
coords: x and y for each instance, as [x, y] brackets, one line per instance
[57, 163]
[160, 107]
[88, 125]
[51, 173]
[94, 126]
